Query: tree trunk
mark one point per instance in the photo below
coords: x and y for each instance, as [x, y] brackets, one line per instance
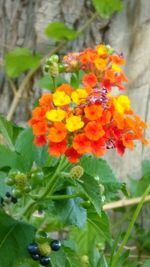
[23, 24]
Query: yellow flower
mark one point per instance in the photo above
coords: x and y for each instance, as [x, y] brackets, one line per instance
[101, 50]
[122, 104]
[116, 68]
[79, 96]
[60, 98]
[74, 123]
[55, 115]
[100, 63]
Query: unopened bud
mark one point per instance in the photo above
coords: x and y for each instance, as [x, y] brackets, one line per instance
[76, 172]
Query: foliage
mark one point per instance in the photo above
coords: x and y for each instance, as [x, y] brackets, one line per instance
[58, 31]
[106, 7]
[19, 60]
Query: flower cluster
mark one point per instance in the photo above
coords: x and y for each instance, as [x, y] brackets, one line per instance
[88, 119]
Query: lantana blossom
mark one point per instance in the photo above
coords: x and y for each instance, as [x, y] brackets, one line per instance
[88, 119]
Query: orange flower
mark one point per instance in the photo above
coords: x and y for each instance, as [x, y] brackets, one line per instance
[90, 79]
[38, 113]
[98, 147]
[81, 144]
[72, 155]
[65, 88]
[127, 140]
[93, 112]
[57, 133]
[40, 140]
[46, 101]
[93, 130]
[39, 128]
[56, 149]
[87, 56]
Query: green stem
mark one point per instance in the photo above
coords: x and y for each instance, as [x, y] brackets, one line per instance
[60, 197]
[48, 190]
[129, 230]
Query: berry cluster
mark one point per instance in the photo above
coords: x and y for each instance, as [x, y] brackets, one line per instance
[9, 198]
[88, 119]
[40, 250]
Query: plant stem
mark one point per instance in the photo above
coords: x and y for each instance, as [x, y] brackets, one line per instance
[61, 197]
[129, 230]
[48, 190]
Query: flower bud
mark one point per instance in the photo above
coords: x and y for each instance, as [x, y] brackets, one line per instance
[76, 172]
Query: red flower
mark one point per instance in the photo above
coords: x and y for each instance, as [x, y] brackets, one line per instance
[56, 149]
[81, 144]
[93, 130]
[90, 79]
[40, 140]
[72, 155]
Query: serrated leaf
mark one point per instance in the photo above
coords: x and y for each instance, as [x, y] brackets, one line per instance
[59, 31]
[100, 223]
[99, 168]
[14, 239]
[105, 8]
[19, 60]
[91, 187]
[95, 231]
[71, 211]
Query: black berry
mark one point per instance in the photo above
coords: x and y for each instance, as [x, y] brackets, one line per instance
[55, 245]
[44, 261]
[35, 257]
[14, 200]
[8, 194]
[33, 248]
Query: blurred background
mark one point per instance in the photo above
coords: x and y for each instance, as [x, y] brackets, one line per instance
[23, 24]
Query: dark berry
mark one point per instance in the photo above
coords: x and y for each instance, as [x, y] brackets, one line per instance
[55, 245]
[14, 200]
[33, 248]
[35, 257]
[44, 261]
[8, 194]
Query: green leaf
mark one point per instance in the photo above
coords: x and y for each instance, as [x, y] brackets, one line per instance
[100, 224]
[102, 262]
[3, 187]
[58, 31]
[91, 187]
[99, 169]
[19, 60]
[40, 155]
[96, 231]
[46, 82]
[25, 147]
[9, 131]
[10, 159]
[71, 212]
[138, 187]
[106, 8]
[14, 239]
